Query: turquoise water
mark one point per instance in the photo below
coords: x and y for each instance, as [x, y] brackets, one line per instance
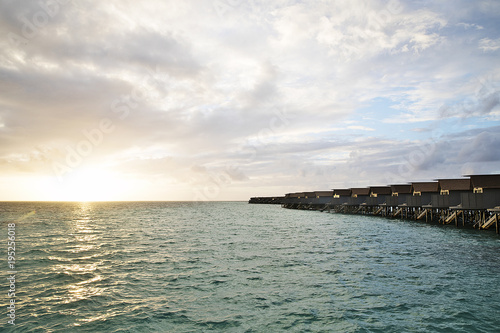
[235, 267]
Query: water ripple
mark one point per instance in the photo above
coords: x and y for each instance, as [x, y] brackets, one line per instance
[190, 267]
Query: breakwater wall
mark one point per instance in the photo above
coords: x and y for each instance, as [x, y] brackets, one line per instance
[472, 201]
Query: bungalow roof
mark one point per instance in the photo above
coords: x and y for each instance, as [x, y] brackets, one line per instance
[380, 190]
[424, 187]
[455, 184]
[485, 181]
[401, 189]
[324, 193]
[360, 190]
[342, 192]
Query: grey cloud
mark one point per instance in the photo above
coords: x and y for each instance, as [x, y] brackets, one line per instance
[58, 102]
[473, 106]
[72, 37]
[485, 147]
[489, 103]
[52, 107]
[454, 151]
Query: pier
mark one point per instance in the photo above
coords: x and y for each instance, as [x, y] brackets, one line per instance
[471, 201]
[266, 200]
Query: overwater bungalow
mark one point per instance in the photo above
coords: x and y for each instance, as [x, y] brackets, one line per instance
[478, 206]
[450, 194]
[340, 199]
[377, 200]
[308, 201]
[359, 195]
[293, 200]
[287, 200]
[421, 195]
[472, 201]
[399, 196]
[486, 192]
[323, 199]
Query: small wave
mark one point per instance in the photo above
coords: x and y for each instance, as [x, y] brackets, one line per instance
[219, 324]
[253, 278]
[217, 281]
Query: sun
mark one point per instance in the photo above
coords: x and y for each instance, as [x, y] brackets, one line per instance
[89, 184]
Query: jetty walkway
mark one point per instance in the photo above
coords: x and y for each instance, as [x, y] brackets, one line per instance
[472, 201]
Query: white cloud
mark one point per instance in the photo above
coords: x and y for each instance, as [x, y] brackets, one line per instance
[470, 26]
[361, 128]
[487, 44]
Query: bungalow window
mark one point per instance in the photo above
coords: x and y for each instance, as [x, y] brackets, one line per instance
[373, 195]
[336, 196]
[317, 197]
[417, 193]
[395, 194]
[445, 192]
[478, 190]
[354, 195]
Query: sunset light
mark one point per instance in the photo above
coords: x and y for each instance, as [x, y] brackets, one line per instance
[91, 184]
[250, 166]
[209, 100]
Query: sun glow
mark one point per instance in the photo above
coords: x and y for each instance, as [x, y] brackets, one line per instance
[91, 184]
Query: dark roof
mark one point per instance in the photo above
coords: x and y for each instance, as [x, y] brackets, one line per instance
[343, 192]
[296, 195]
[380, 189]
[324, 193]
[485, 181]
[455, 184]
[401, 189]
[310, 194]
[361, 190]
[425, 187]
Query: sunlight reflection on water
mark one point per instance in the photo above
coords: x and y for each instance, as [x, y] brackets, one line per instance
[184, 267]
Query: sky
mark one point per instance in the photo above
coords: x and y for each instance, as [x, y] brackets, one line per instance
[227, 99]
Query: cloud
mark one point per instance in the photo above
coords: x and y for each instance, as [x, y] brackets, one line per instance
[470, 26]
[487, 44]
[275, 93]
[481, 105]
[361, 128]
[484, 147]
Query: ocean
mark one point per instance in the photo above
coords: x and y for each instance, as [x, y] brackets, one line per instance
[235, 267]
